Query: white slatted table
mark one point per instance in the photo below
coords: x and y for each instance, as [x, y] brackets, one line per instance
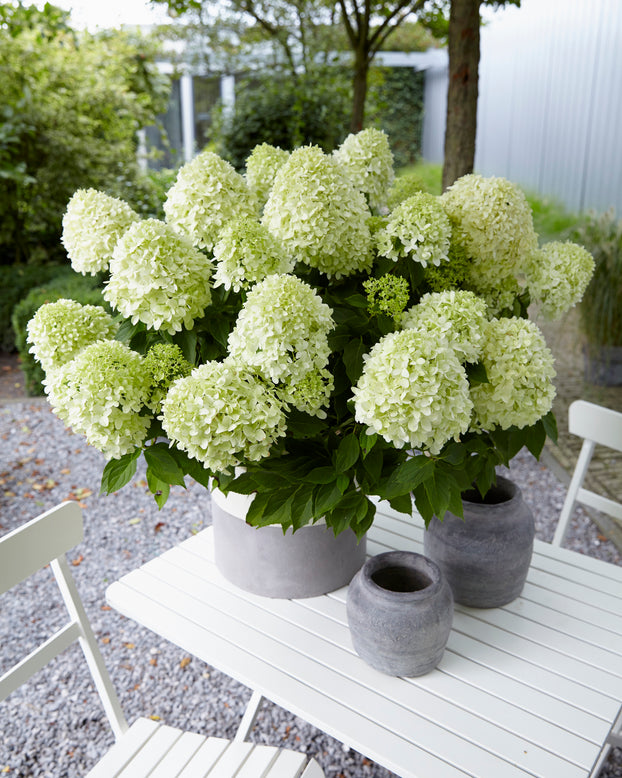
[531, 689]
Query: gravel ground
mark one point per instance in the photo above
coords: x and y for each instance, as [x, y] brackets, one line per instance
[54, 725]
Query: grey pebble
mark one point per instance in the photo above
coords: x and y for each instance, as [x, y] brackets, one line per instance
[54, 726]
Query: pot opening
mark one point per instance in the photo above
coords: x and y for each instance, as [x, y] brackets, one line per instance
[498, 493]
[401, 579]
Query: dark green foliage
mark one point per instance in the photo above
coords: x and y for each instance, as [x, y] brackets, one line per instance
[398, 97]
[83, 289]
[601, 307]
[15, 283]
[277, 110]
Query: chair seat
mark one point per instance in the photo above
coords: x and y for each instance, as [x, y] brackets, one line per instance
[152, 749]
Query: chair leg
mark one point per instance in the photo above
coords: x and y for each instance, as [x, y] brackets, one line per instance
[250, 715]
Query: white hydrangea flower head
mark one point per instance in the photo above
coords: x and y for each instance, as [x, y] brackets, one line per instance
[247, 252]
[319, 215]
[418, 228]
[207, 194]
[261, 168]
[413, 391]
[558, 275]
[281, 331]
[158, 277]
[309, 394]
[100, 394]
[493, 222]
[60, 330]
[367, 160]
[92, 225]
[222, 414]
[520, 372]
[459, 317]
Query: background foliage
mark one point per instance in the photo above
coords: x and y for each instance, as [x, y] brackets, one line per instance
[70, 107]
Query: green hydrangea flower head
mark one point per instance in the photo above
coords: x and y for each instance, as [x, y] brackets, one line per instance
[100, 394]
[493, 222]
[92, 225]
[282, 330]
[60, 330]
[367, 160]
[246, 253]
[453, 274]
[387, 295]
[418, 228]
[318, 214]
[164, 364]
[309, 394]
[520, 372]
[403, 187]
[223, 415]
[261, 168]
[558, 275]
[413, 392]
[158, 277]
[207, 194]
[459, 317]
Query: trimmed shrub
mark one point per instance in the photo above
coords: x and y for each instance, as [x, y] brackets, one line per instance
[84, 289]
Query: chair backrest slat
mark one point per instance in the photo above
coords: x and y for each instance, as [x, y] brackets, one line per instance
[35, 544]
[593, 422]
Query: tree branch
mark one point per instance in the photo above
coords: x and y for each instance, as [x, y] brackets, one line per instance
[381, 33]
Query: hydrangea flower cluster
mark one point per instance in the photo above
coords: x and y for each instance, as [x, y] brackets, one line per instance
[387, 295]
[281, 331]
[100, 394]
[368, 162]
[206, 195]
[262, 166]
[92, 225]
[60, 330]
[221, 414]
[164, 364]
[493, 222]
[315, 210]
[419, 229]
[309, 394]
[457, 317]
[413, 391]
[158, 277]
[520, 373]
[558, 275]
[246, 253]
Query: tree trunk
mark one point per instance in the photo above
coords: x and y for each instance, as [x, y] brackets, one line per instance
[460, 130]
[359, 92]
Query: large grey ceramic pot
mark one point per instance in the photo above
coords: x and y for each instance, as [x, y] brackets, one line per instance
[400, 610]
[486, 556]
[263, 560]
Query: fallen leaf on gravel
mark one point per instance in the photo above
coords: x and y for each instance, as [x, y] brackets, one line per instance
[158, 526]
[135, 520]
[9, 494]
[65, 471]
[106, 640]
[153, 662]
[153, 717]
[106, 608]
[77, 561]
[185, 662]
[129, 645]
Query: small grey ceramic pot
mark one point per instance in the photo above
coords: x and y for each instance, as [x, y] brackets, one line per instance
[400, 611]
[486, 556]
[268, 562]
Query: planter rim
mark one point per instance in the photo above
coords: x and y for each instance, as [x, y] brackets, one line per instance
[512, 489]
[408, 559]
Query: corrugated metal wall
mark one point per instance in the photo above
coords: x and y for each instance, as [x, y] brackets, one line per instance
[550, 108]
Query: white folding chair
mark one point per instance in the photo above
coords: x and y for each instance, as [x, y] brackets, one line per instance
[596, 425]
[147, 748]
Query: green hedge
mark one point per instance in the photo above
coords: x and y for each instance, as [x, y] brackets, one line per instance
[15, 283]
[85, 289]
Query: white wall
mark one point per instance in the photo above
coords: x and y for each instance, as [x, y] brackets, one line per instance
[550, 107]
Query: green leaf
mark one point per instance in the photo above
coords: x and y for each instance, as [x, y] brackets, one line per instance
[347, 453]
[325, 497]
[162, 464]
[535, 438]
[301, 425]
[402, 504]
[367, 442]
[550, 426]
[407, 476]
[356, 301]
[353, 359]
[343, 481]
[118, 472]
[373, 464]
[187, 342]
[302, 506]
[476, 373]
[422, 503]
[159, 489]
[321, 475]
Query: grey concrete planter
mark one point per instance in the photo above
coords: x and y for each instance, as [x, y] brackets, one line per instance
[486, 557]
[263, 560]
[400, 611]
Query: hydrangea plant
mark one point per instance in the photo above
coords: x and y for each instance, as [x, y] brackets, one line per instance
[288, 334]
